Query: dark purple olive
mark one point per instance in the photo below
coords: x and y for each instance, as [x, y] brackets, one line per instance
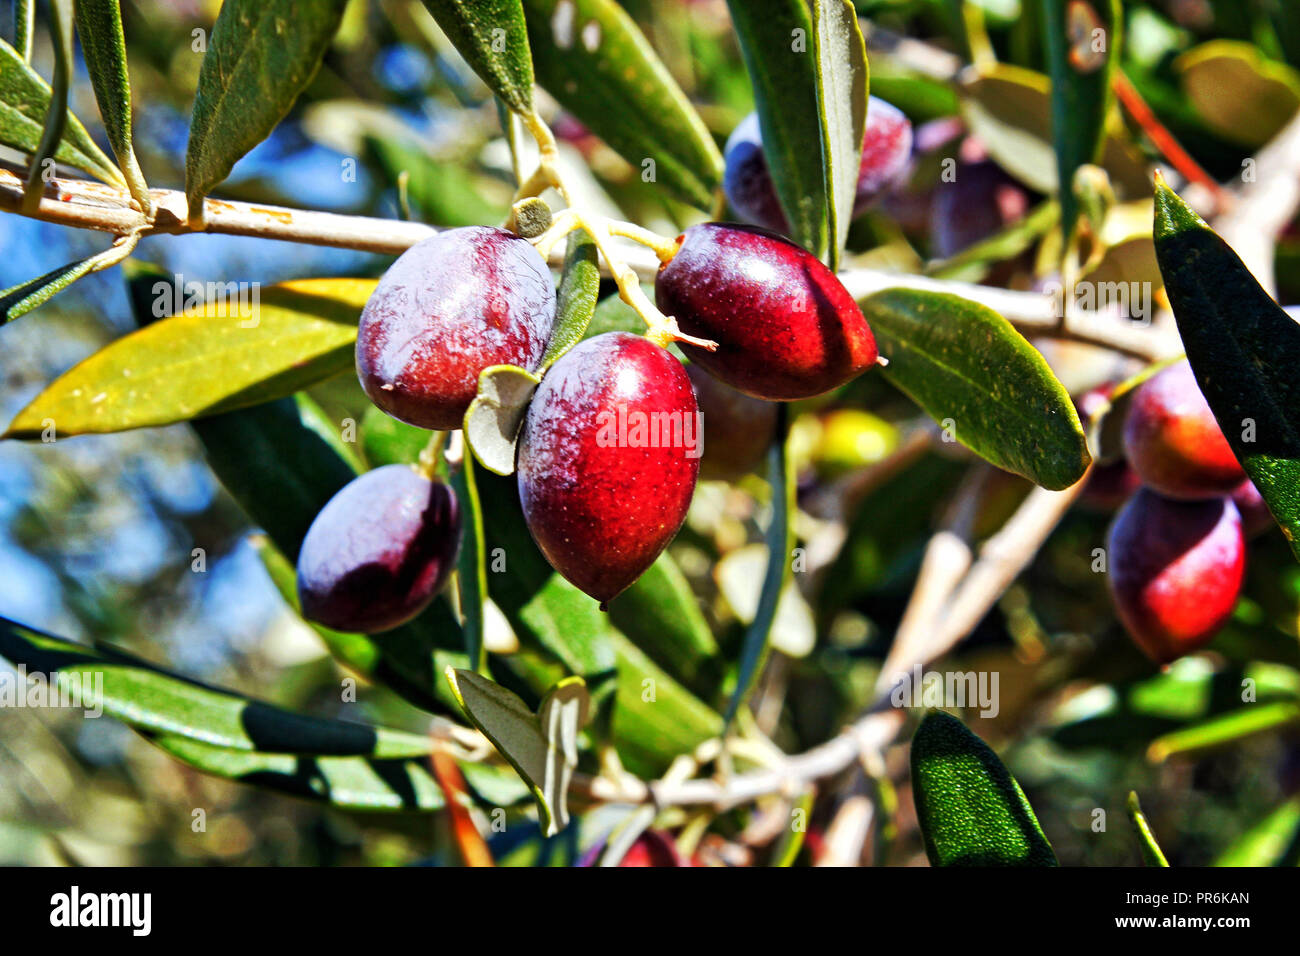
[379, 551]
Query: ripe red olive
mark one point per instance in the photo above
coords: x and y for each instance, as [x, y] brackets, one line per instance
[738, 429]
[786, 328]
[608, 458]
[379, 551]
[1176, 569]
[1172, 440]
[747, 182]
[449, 307]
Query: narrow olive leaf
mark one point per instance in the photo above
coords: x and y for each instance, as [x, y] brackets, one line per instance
[1268, 841]
[139, 694]
[1082, 40]
[1225, 730]
[662, 616]
[1152, 855]
[349, 783]
[971, 811]
[24, 101]
[571, 626]
[981, 381]
[246, 347]
[591, 56]
[56, 117]
[780, 541]
[471, 566]
[786, 850]
[103, 46]
[1244, 350]
[261, 55]
[575, 298]
[562, 715]
[843, 79]
[492, 37]
[493, 419]
[21, 299]
[512, 728]
[775, 42]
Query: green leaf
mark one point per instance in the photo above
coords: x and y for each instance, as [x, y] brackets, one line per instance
[843, 80]
[571, 626]
[1224, 730]
[661, 615]
[1241, 95]
[386, 441]
[977, 376]
[103, 46]
[775, 41]
[655, 719]
[1268, 841]
[780, 541]
[971, 811]
[21, 299]
[1244, 350]
[491, 36]
[444, 193]
[228, 356]
[151, 699]
[493, 419]
[56, 117]
[349, 783]
[471, 565]
[1082, 63]
[1152, 855]
[594, 60]
[24, 101]
[261, 55]
[517, 735]
[576, 297]
[24, 15]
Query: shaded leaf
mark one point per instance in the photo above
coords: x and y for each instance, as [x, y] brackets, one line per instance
[979, 379]
[291, 336]
[661, 615]
[491, 36]
[494, 418]
[971, 811]
[1082, 41]
[571, 626]
[776, 43]
[575, 298]
[843, 80]
[1241, 95]
[261, 55]
[471, 566]
[150, 699]
[1244, 350]
[591, 56]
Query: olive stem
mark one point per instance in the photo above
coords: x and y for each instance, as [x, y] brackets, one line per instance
[427, 464]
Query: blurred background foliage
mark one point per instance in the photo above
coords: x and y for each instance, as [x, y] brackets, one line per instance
[98, 534]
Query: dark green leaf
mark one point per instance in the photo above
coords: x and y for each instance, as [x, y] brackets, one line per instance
[1082, 43]
[978, 378]
[471, 565]
[843, 80]
[21, 299]
[261, 55]
[1244, 350]
[265, 344]
[571, 626]
[103, 46]
[591, 57]
[780, 540]
[145, 697]
[491, 36]
[24, 101]
[972, 812]
[777, 45]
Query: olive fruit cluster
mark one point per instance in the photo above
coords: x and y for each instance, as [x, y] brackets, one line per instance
[1177, 548]
[610, 446]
